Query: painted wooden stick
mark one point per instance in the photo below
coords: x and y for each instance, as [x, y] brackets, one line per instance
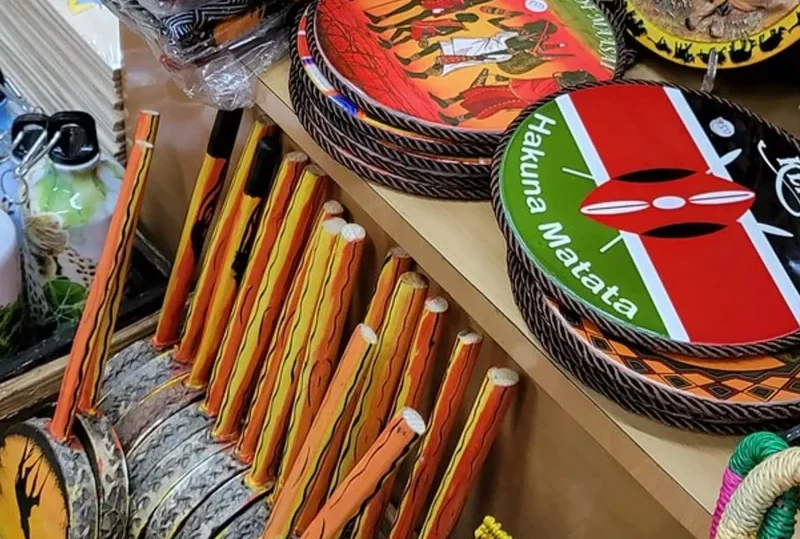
[82, 370]
[394, 340]
[323, 347]
[202, 206]
[266, 423]
[332, 419]
[237, 254]
[483, 424]
[432, 447]
[270, 296]
[289, 173]
[290, 338]
[396, 263]
[412, 387]
[147, 123]
[212, 265]
[382, 458]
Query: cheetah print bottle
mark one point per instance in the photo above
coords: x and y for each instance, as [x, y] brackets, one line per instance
[72, 197]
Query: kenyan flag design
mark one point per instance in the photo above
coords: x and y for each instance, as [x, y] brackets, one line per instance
[670, 213]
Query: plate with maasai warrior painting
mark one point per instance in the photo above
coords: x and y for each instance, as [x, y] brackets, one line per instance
[399, 162]
[742, 32]
[725, 396]
[460, 69]
[350, 158]
[395, 139]
[667, 216]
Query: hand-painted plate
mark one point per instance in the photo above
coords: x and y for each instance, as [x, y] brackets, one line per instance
[461, 69]
[332, 96]
[666, 216]
[711, 395]
[374, 173]
[742, 32]
[343, 102]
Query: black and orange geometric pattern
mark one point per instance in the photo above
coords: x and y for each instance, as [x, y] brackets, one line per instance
[761, 379]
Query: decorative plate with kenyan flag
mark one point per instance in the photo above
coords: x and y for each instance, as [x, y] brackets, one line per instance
[666, 216]
[460, 69]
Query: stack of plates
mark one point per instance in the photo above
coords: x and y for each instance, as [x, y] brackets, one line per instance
[65, 60]
[652, 237]
[415, 94]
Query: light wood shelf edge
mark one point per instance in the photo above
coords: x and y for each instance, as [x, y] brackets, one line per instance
[681, 470]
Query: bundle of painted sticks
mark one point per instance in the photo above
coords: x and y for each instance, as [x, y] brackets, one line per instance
[243, 419]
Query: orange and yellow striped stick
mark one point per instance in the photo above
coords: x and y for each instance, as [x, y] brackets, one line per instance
[83, 373]
[396, 263]
[381, 460]
[483, 424]
[202, 206]
[270, 295]
[415, 380]
[394, 340]
[301, 484]
[290, 337]
[289, 173]
[147, 123]
[199, 310]
[433, 444]
[326, 333]
[266, 422]
[237, 254]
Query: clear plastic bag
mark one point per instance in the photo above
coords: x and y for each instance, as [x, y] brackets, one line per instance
[212, 48]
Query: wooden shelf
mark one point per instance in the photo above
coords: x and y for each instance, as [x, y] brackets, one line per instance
[459, 245]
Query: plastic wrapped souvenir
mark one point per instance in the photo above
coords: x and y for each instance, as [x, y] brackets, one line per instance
[212, 48]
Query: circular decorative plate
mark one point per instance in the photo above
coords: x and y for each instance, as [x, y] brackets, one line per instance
[460, 69]
[742, 32]
[667, 216]
[348, 158]
[722, 396]
[47, 489]
[329, 100]
[351, 109]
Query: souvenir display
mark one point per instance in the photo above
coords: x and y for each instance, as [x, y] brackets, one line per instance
[197, 224]
[416, 95]
[78, 481]
[151, 413]
[690, 33]
[167, 372]
[71, 196]
[216, 472]
[440, 426]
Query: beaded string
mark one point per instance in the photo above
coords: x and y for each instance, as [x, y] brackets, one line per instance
[491, 529]
[779, 520]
